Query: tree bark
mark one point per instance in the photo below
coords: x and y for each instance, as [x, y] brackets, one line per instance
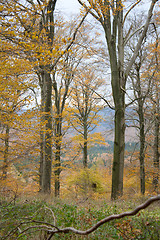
[118, 83]
[57, 165]
[45, 169]
[47, 148]
[6, 151]
[140, 112]
[118, 157]
[156, 145]
[85, 151]
[42, 133]
[142, 148]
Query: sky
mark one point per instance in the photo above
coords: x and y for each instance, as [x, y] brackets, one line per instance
[72, 6]
[68, 6]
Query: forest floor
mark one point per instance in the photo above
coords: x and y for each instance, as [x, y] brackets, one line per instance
[26, 217]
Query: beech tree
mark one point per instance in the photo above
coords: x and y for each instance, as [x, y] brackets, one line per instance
[112, 17]
[14, 97]
[61, 90]
[143, 74]
[85, 108]
[142, 89]
[16, 81]
[141, 84]
[30, 26]
[156, 145]
[155, 113]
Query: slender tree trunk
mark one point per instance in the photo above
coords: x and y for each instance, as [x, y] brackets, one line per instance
[140, 112]
[57, 165]
[85, 152]
[6, 151]
[42, 135]
[41, 159]
[57, 171]
[142, 148]
[156, 147]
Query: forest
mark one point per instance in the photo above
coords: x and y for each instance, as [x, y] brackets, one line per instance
[79, 120]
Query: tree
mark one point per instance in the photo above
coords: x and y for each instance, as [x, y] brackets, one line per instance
[141, 93]
[141, 84]
[110, 15]
[85, 108]
[15, 96]
[61, 84]
[154, 97]
[65, 73]
[30, 26]
[156, 106]
[143, 75]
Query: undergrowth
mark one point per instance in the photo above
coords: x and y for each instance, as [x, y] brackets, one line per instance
[145, 225]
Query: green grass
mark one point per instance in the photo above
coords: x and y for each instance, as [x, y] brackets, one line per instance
[145, 225]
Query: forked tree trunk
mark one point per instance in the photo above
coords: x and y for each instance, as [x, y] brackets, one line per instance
[118, 83]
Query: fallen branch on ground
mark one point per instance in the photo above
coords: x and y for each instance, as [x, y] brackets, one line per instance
[107, 219]
[52, 229]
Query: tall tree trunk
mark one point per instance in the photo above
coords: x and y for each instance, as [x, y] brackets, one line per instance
[118, 83]
[156, 146]
[140, 111]
[41, 158]
[42, 133]
[119, 147]
[47, 159]
[46, 107]
[6, 150]
[142, 148]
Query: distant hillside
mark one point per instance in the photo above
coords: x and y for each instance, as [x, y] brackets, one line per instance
[98, 149]
[106, 126]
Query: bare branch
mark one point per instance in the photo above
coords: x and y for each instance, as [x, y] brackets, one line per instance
[107, 219]
[127, 38]
[72, 41]
[141, 37]
[130, 10]
[51, 229]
